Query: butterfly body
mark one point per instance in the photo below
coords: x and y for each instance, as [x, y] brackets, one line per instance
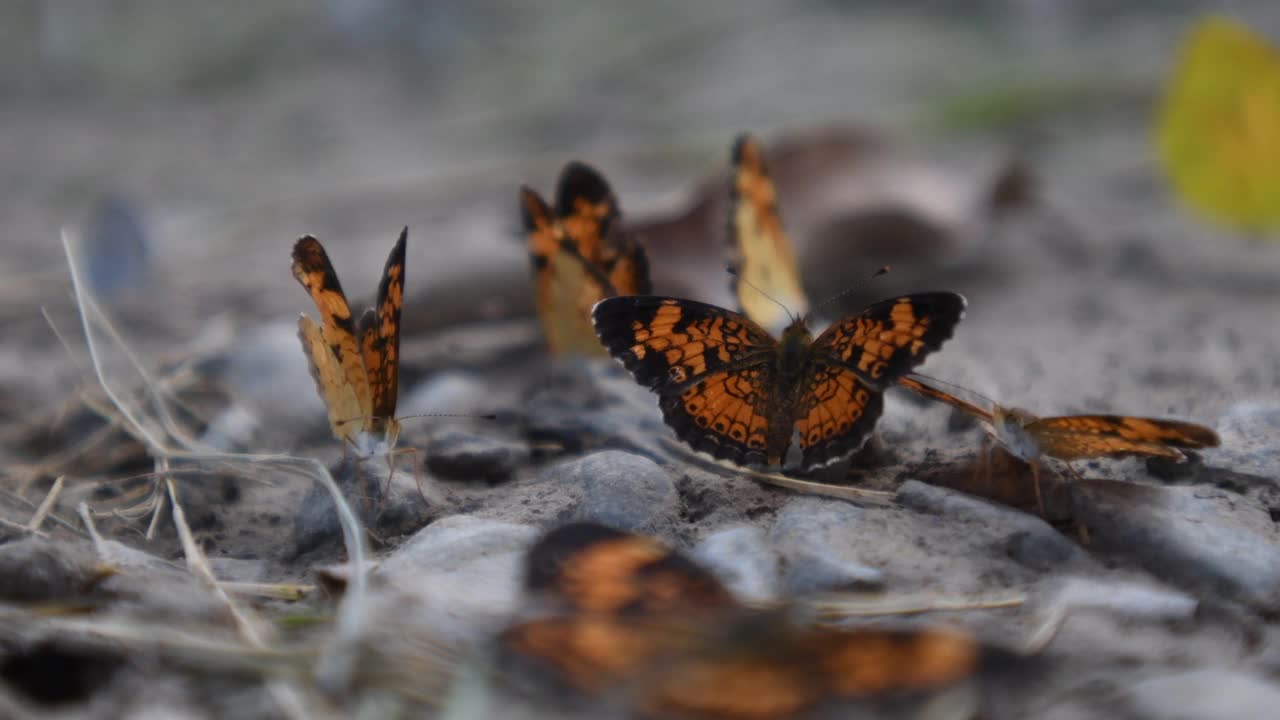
[729, 388]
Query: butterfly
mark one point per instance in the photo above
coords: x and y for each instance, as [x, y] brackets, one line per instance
[579, 256]
[759, 250]
[629, 617]
[729, 388]
[1073, 437]
[1218, 131]
[355, 364]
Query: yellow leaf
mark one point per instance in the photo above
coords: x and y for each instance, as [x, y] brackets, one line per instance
[1218, 133]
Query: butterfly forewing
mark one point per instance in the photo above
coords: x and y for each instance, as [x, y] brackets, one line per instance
[1071, 437]
[380, 337]
[312, 268]
[888, 339]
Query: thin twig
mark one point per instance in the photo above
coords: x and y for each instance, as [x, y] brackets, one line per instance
[46, 507]
[808, 487]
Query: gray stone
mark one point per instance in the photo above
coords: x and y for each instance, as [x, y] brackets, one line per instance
[585, 404]
[1248, 431]
[621, 490]
[809, 571]
[394, 507]
[449, 391]
[1214, 694]
[115, 246]
[459, 577]
[1030, 541]
[38, 570]
[743, 560]
[809, 535]
[1203, 539]
[458, 455]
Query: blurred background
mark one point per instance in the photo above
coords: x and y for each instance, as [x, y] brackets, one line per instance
[190, 143]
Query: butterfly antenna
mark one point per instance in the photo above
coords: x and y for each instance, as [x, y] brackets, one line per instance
[734, 272]
[883, 270]
[474, 416]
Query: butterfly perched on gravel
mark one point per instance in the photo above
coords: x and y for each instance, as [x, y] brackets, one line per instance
[729, 388]
[356, 365]
[627, 619]
[1073, 437]
[579, 256]
[766, 278]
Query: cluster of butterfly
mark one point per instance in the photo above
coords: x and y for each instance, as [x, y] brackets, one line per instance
[726, 386]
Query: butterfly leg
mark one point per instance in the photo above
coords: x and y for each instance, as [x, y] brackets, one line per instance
[982, 466]
[1035, 479]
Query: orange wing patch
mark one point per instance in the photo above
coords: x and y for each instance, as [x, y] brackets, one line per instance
[579, 257]
[356, 368]
[759, 249]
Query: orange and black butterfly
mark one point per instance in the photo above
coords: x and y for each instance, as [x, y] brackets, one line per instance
[643, 625]
[766, 278]
[355, 363]
[579, 256]
[729, 388]
[1073, 437]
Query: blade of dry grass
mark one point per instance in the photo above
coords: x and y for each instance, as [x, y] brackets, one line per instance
[46, 506]
[807, 487]
[335, 666]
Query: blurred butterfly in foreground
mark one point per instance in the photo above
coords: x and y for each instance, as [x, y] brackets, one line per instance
[355, 364]
[729, 388]
[1072, 437]
[633, 621]
[579, 256]
[1218, 132]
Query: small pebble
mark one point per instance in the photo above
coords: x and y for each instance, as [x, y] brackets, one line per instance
[743, 560]
[621, 490]
[1030, 541]
[809, 535]
[460, 577]
[1203, 539]
[1212, 694]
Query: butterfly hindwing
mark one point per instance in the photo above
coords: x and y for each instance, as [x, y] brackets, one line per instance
[340, 399]
[835, 414]
[760, 251]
